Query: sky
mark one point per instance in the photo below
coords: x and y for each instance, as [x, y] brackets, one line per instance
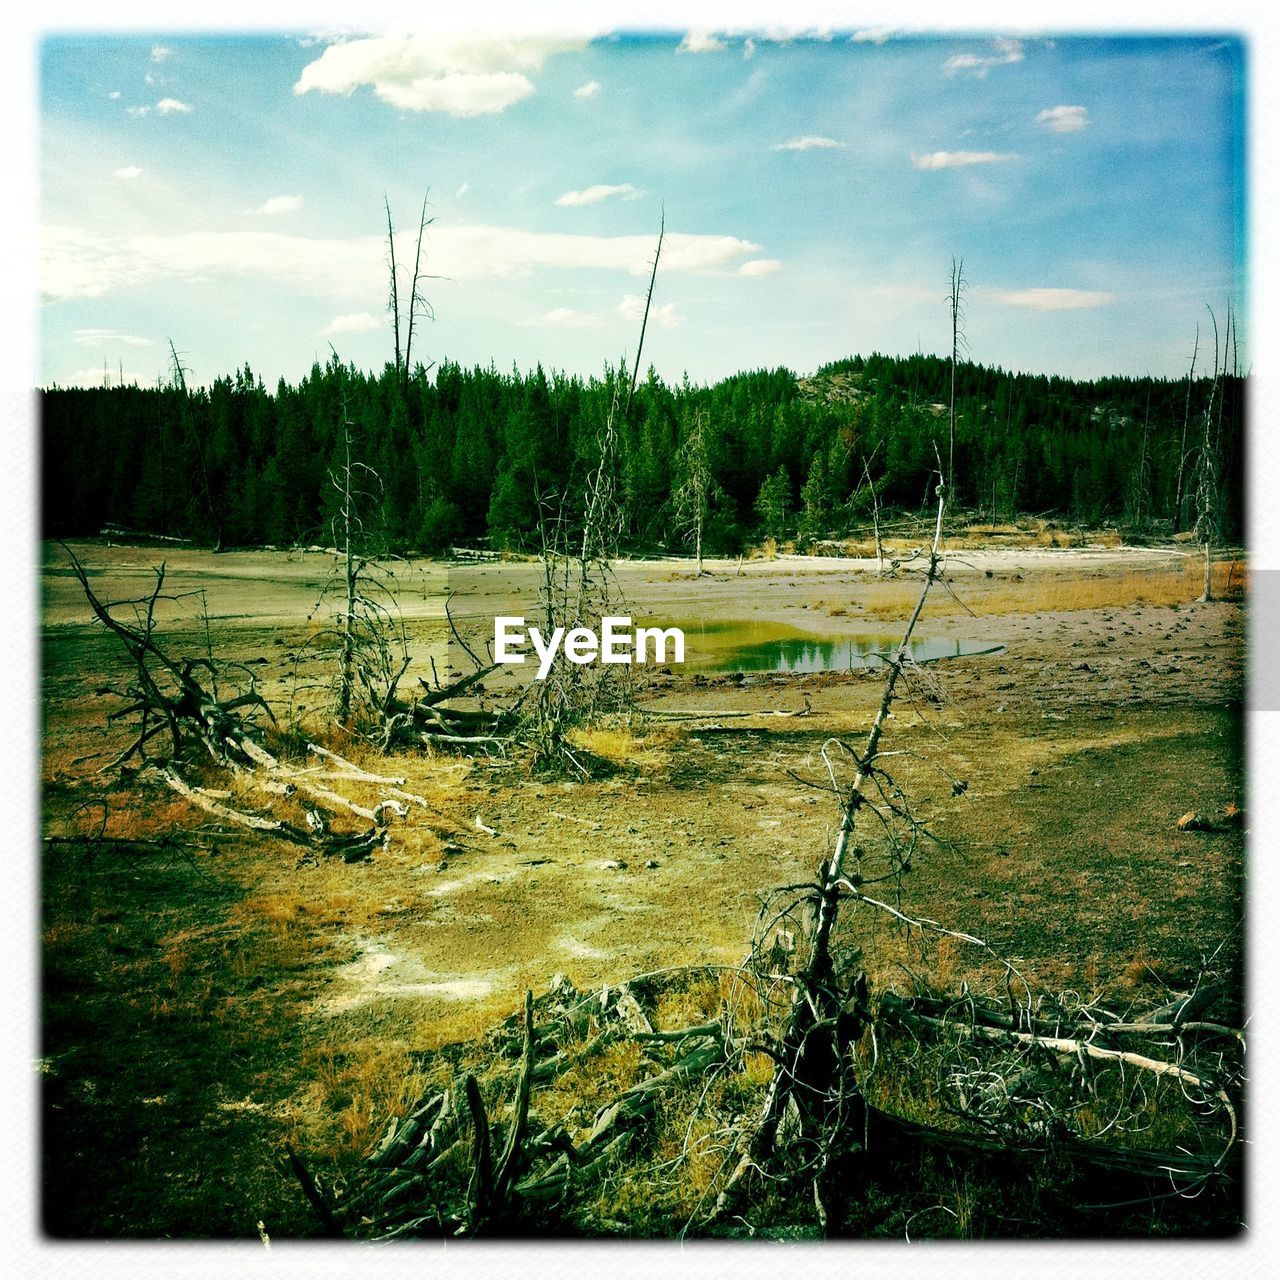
[226, 193]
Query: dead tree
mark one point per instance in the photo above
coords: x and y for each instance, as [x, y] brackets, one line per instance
[418, 304]
[828, 1013]
[181, 701]
[955, 302]
[196, 446]
[875, 509]
[393, 297]
[1179, 491]
[578, 587]
[1207, 491]
[692, 498]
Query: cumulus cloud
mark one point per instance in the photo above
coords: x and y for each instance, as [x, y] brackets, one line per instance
[77, 263]
[565, 318]
[594, 195]
[748, 49]
[171, 106]
[160, 53]
[959, 159]
[1006, 53]
[760, 267]
[114, 94]
[129, 171]
[632, 308]
[279, 204]
[353, 322]
[413, 72]
[701, 42]
[809, 142]
[103, 337]
[588, 90]
[1064, 119]
[1052, 299]
[871, 35]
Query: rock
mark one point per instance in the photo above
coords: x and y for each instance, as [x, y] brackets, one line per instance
[613, 864]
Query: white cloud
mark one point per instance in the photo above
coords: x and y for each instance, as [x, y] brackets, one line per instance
[1064, 119]
[108, 377]
[457, 76]
[279, 204]
[114, 95]
[170, 106]
[462, 190]
[1006, 53]
[129, 171]
[159, 53]
[872, 35]
[748, 49]
[760, 267]
[594, 195]
[701, 42]
[83, 264]
[632, 308]
[959, 159]
[785, 33]
[588, 90]
[101, 337]
[1052, 299]
[809, 142]
[565, 318]
[353, 322]
[137, 112]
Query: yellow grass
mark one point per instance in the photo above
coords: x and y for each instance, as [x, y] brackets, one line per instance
[622, 746]
[1063, 593]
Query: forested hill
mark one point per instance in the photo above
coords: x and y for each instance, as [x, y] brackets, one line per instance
[467, 455]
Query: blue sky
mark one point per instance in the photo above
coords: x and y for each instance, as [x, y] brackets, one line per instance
[226, 193]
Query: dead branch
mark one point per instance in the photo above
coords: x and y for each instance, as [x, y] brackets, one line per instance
[352, 847]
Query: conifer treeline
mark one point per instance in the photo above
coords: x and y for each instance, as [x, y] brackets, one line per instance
[467, 455]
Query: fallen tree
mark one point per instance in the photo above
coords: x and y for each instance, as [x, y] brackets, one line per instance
[181, 702]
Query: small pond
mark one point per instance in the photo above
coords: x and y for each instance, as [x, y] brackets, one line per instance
[742, 645]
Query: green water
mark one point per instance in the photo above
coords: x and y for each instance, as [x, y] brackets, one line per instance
[738, 645]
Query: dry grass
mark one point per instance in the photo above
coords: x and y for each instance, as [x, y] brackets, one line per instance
[355, 1088]
[647, 753]
[1063, 592]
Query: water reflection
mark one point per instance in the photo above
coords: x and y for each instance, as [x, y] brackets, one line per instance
[725, 646]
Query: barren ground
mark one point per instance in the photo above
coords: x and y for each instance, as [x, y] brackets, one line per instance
[202, 1003]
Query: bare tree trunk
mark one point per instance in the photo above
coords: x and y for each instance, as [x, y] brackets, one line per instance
[811, 1052]
[197, 447]
[394, 301]
[875, 518]
[957, 318]
[1207, 487]
[416, 301]
[1179, 492]
[347, 663]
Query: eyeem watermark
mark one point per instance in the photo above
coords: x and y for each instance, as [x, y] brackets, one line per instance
[616, 642]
